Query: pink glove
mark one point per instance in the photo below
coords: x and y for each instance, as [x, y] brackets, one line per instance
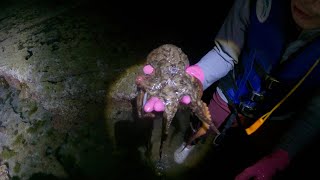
[154, 104]
[266, 167]
[196, 71]
[148, 69]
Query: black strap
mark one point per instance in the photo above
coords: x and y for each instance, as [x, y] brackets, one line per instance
[227, 124]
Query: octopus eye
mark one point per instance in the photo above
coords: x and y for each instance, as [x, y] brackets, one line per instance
[148, 69]
[174, 69]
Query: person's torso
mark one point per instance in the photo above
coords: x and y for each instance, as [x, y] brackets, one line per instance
[261, 79]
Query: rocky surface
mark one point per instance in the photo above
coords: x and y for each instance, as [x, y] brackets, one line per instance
[66, 93]
[4, 173]
[54, 72]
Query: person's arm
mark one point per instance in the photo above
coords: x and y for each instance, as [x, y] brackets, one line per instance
[228, 44]
[305, 129]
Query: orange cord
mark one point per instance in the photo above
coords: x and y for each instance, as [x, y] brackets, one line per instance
[263, 118]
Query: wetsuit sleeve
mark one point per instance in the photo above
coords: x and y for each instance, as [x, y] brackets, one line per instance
[305, 129]
[228, 44]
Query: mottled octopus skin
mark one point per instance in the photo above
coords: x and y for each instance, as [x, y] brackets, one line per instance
[169, 82]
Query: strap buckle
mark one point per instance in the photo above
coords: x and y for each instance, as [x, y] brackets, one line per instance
[247, 109]
[271, 82]
[256, 96]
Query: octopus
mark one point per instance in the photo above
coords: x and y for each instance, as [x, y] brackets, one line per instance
[166, 80]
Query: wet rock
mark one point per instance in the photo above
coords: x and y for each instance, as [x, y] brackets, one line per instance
[54, 72]
[4, 172]
[58, 62]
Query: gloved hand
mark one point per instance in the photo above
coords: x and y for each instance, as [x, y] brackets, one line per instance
[196, 71]
[156, 104]
[267, 167]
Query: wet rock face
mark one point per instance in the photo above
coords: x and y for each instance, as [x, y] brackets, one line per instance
[55, 67]
[4, 173]
[26, 134]
[57, 62]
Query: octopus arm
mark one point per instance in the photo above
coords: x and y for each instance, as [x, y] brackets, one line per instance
[202, 112]
[139, 102]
